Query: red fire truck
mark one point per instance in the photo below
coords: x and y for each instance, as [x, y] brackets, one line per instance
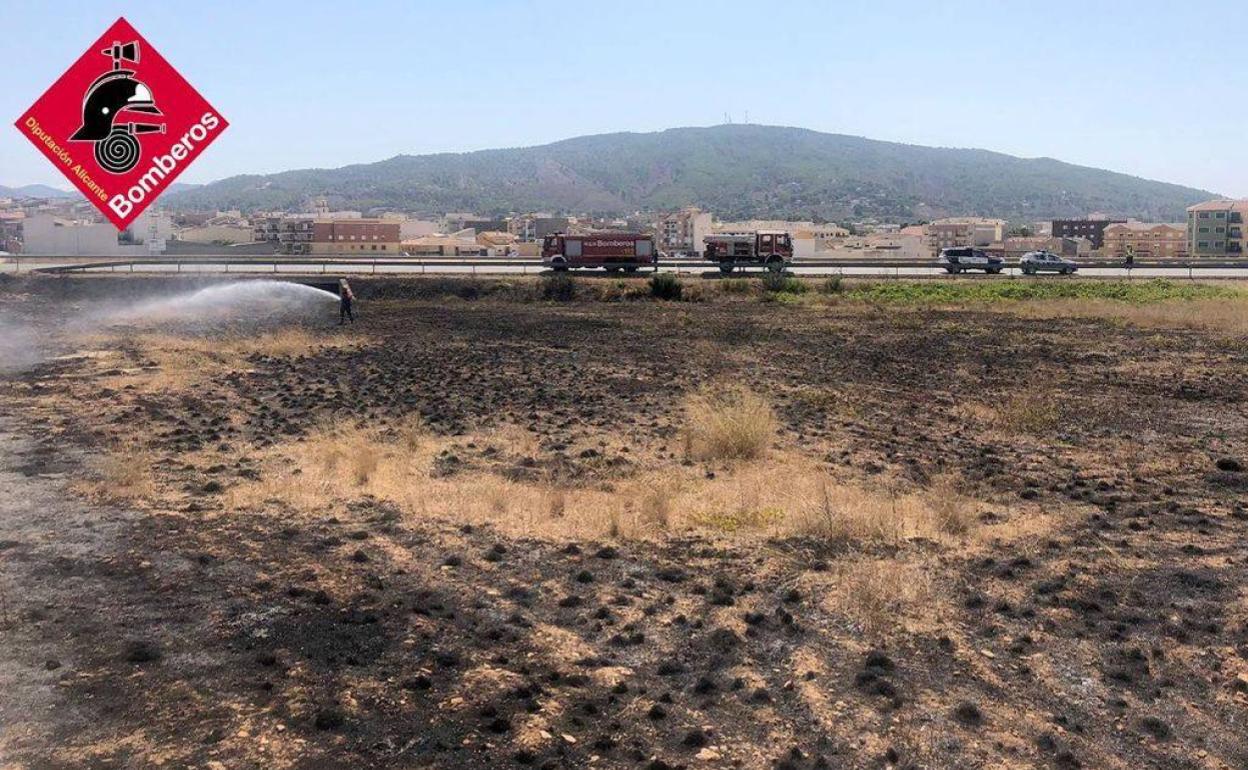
[772, 248]
[613, 251]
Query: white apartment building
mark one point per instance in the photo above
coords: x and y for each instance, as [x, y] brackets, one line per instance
[683, 230]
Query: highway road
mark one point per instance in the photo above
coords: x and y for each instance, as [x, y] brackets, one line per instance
[494, 266]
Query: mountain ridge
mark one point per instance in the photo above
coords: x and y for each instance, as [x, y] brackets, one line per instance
[736, 171]
[35, 191]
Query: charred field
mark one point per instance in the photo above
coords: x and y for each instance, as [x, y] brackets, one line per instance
[510, 524]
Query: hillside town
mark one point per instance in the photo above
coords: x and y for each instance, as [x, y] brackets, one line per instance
[69, 227]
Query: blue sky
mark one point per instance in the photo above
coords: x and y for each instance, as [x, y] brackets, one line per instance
[1141, 87]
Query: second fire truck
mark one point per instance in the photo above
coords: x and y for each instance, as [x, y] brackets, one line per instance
[771, 248]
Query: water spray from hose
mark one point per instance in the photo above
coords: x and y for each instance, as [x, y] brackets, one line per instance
[23, 343]
[226, 300]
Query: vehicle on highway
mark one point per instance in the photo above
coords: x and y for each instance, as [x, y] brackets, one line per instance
[961, 258]
[612, 251]
[771, 248]
[1045, 262]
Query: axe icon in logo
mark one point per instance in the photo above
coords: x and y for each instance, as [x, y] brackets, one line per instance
[115, 92]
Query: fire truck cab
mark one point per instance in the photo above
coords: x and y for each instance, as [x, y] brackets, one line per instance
[613, 251]
[771, 248]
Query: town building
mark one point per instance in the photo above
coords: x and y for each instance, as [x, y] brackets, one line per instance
[964, 231]
[153, 228]
[484, 225]
[496, 243]
[277, 228]
[352, 236]
[222, 234]
[457, 221]
[533, 228]
[461, 244]
[411, 229]
[363, 237]
[47, 235]
[785, 225]
[683, 230]
[1092, 228]
[1013, 247]
[888, 246]
[1216, 229]
[809, 241]
[1145, 240]
[11, 230]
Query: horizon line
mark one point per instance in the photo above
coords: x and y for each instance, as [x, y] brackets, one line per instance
[657, 131]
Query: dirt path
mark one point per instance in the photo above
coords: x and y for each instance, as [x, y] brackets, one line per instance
[49, 542]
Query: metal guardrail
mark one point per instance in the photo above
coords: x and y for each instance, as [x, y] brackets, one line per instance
[275, 261]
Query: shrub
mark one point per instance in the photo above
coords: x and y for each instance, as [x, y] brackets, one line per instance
[734, 286]
[469, 290]
[694, 292]
[728, 422]
[559, 287]
[832, 285]
[780, 283]
[665, 286]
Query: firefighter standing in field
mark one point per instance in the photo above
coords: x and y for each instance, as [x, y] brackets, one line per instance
[345, 299]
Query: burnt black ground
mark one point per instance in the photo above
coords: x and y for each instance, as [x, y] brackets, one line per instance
[377, 641]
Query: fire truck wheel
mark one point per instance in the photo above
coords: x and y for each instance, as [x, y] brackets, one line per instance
[630, 269]
[612, 269]
[775, 264]
[726, 268]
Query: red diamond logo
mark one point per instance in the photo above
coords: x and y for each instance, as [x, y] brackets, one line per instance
[121, 124]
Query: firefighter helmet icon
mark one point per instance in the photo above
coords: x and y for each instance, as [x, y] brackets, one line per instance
[117, 149]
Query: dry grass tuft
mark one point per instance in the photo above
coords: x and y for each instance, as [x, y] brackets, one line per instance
[782, 495]
[1028, 412]
[123, 475]
[952, 513]
[411, 431]
[655, 506]
[879, 595]
[184, 361]
[855, 514]
[728, 422]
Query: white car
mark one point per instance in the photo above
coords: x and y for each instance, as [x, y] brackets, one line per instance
[1045, 262]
